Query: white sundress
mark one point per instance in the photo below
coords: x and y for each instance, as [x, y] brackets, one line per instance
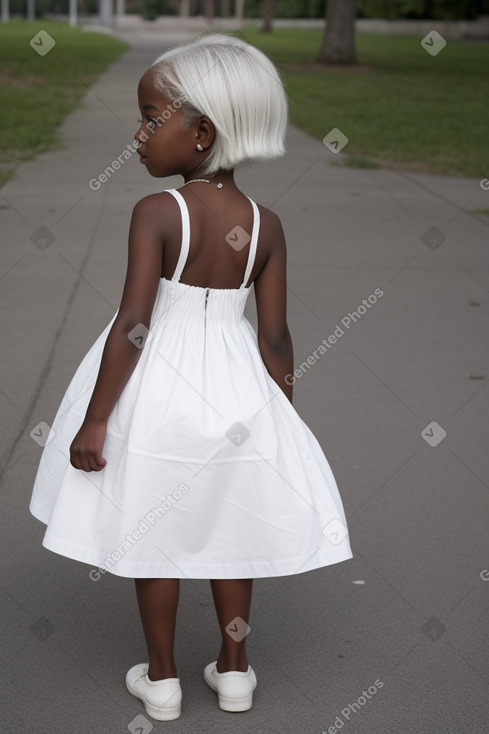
[211, 473]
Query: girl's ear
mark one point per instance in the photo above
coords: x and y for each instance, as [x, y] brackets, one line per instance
[205, 132]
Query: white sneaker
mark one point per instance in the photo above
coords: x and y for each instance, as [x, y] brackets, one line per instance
[234, 688]
[162, 698]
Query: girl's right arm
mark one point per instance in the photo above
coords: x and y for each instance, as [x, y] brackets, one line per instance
[270, 285]
[121, 353]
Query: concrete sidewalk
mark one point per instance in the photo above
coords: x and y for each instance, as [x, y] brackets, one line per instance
[390, 642]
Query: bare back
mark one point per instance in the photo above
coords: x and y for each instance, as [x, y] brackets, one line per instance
[220, 233]
[221, 224]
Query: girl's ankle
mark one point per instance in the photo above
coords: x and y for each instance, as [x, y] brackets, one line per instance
[225, 665]
[160, 672]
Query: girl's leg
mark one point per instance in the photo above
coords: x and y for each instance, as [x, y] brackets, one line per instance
[158, 603]
[232, 598]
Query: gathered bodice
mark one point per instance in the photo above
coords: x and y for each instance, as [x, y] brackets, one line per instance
[192, 306]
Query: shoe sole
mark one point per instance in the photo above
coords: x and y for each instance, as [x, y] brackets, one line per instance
[231, 704]
[159, 714]
[235, 705]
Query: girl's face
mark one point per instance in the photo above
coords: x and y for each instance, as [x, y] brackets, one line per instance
[165, 148]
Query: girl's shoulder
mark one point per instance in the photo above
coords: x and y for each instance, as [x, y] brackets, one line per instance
[268, 218]
[161, 200]
[271, 229]
[163, 210]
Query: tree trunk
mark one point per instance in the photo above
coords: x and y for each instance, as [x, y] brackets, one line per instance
[338, 45]
[239, 10]
[268, 6]
[209, 11]
[184, 8]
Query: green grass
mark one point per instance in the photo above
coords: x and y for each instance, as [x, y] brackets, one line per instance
[400, 107]
[39, 91]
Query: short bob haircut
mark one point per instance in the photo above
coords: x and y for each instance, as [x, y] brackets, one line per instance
[237, 87]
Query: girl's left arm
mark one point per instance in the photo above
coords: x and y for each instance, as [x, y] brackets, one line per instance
[120, 354]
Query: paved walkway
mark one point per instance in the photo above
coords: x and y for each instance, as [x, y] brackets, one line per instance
[392, 264]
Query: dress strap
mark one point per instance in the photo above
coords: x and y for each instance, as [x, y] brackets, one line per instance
[184, 248]
[253, 243]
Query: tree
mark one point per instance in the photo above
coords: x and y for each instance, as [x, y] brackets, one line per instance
[208, 10]
[338, 44]
[267, 15]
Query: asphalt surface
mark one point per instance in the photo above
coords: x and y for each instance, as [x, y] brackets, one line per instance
[392, 641]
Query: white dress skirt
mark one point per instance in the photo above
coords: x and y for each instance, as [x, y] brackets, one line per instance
[211, 473]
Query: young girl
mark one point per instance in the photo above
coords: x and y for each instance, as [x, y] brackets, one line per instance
[176, 451]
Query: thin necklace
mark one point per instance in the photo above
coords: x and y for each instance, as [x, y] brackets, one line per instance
[205, 180]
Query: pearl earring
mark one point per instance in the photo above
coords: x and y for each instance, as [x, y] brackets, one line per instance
[199, 147]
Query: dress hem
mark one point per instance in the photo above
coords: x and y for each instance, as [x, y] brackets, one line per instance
[259, 569]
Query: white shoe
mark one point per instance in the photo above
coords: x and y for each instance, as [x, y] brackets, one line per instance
[162, 698]
[234, 688]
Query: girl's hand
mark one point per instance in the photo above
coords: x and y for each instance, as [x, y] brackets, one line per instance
[86, 447]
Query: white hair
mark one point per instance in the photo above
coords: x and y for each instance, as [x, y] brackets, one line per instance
[237, 87]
